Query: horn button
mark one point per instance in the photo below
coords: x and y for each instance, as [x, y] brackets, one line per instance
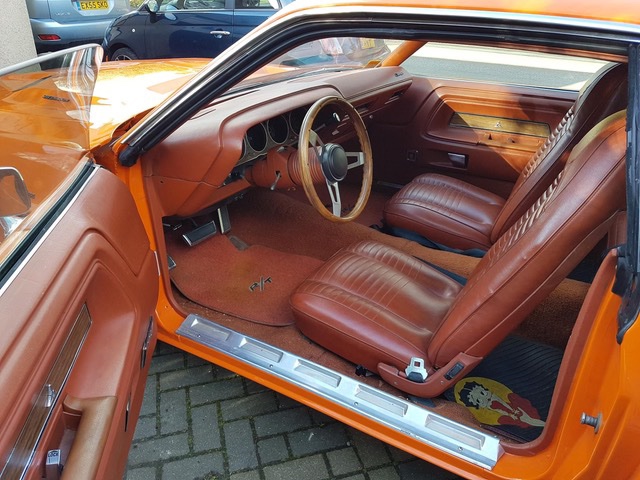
[334, 162]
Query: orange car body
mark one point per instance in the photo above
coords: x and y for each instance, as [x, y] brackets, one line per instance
[605, 375]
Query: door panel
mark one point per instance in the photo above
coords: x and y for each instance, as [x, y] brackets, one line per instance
[75, 316]
[483, 134]
[185, 33]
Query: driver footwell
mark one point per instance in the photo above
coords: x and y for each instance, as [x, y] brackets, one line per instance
[251, 283]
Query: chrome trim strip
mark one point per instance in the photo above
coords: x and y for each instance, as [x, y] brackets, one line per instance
[53, 225]
[25, 446]
[430, 428]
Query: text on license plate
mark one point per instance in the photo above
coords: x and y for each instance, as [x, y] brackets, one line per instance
[367, 43]
[97, 5]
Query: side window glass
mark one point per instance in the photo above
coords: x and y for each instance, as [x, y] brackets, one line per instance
[203, 4]
[240, 4]
[501, 65]
[171, 6]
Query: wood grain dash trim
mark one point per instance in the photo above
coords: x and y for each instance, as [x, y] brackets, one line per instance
[25, 446]
[500, 124]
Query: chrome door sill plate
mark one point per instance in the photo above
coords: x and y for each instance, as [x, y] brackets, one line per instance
[435, 430]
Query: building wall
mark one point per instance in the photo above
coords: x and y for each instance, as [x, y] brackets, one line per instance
[16, 42]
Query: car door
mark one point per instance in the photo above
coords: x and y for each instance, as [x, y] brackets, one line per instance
[189, 28]
[470, 114]
[78, 283]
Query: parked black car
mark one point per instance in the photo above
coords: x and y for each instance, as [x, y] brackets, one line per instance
[184, 28]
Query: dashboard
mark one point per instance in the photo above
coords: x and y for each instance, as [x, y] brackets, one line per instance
[219, 151]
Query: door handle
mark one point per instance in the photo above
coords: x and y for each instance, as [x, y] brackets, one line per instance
[220, 33]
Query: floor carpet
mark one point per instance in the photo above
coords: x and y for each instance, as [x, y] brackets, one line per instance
[257, 280]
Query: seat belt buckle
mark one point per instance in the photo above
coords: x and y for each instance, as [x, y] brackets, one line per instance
[416, 371]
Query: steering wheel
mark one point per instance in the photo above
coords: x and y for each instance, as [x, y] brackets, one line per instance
[334, 161]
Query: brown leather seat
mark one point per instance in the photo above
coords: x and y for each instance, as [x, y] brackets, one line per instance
[379, 307]
[458, 215]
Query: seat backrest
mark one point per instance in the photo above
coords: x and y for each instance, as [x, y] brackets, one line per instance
[541, 248]
[604, 95]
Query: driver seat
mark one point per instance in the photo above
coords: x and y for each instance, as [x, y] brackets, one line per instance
[393, 314]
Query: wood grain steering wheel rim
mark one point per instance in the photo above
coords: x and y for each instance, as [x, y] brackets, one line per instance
[309, 138]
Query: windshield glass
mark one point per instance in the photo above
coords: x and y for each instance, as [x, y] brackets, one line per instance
[322, 55]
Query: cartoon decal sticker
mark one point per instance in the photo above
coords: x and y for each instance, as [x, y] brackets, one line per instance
[492, 403]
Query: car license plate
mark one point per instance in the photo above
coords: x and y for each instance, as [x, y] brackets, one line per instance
[96, 5]
[367, 43]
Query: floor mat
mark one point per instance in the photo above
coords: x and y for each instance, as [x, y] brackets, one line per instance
[510, 391]
[253, 284]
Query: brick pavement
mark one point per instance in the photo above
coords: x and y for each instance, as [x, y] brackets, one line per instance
[199, 421]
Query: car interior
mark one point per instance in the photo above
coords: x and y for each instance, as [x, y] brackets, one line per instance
[410, 233]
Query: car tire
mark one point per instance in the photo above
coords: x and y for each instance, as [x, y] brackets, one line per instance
[124, 54]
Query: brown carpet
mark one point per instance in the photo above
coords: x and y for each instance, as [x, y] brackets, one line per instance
[253, 284]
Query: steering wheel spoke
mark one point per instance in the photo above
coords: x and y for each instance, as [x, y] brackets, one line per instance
[359, 159]
[334, 193]
[314, 139]
[334, 162]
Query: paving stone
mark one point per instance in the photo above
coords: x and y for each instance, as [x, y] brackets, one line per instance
[285, 402]
[282, 421]
[149, 405]
[241, 451]
[420, 470]
[215, 391]
[167, 363]
[309, 468]
[385, 473]
[320, 418]
[398, 455]
[248, 406]
[146, 427]
[317, 439]
[273, 450]
[145, 473]
[159, 449]
[205, 428]
[251, 475]
[210, 465]
[343, 461]
[186, 377]
[372, 452]
[253, 387]
[173, 411]
[222, 373]
[193, 361]
[359, 476]
[165, 349]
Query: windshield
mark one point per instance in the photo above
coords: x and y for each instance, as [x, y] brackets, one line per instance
[322, 55]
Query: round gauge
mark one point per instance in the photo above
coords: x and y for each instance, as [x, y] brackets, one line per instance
[278, 129]
[296, 118]
[257, 137]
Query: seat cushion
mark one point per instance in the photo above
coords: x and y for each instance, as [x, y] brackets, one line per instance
[370, 303]
[446, 211]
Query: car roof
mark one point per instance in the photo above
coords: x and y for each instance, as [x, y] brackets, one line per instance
[620, 11]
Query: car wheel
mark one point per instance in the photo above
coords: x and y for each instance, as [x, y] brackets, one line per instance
[124, 54]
